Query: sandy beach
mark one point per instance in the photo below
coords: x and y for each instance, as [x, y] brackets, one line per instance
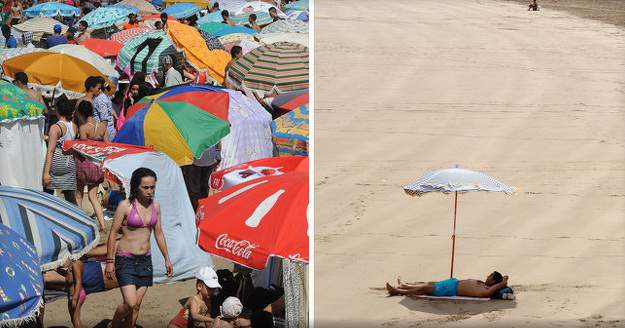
[535, 99]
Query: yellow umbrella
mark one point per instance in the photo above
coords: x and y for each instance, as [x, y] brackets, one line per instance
[53, 69]
[196, 51]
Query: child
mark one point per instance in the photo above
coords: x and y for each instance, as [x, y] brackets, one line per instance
[196, 312]
[230, 311]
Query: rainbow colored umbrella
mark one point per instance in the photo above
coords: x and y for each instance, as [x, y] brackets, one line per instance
[182, 122]
[15, 103]
[290, 132]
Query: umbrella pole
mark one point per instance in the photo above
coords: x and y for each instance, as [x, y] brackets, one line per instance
[453, 236]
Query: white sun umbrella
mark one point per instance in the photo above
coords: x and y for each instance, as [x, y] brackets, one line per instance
[269, 38]
[88, 56]
[455, 180]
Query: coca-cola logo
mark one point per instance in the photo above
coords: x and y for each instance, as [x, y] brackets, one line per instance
[240, 248]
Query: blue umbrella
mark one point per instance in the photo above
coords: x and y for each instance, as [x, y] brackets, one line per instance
[262, 17]
[210, 18]
[234, 29]
[106, 16]
[58, 229]
[181, 10]
[297, 5]
[130, 8]
[51, 9]
[21, 281]
[157, 3]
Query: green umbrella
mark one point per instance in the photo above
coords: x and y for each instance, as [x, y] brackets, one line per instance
[212, 27]
[16, 104]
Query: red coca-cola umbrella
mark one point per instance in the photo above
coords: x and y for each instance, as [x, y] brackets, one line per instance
[257, 219]
[104, 48]
[232, 176]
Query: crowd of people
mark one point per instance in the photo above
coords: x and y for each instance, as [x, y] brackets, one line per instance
[123, 259]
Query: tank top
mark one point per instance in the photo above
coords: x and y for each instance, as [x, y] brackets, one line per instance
[69, 133]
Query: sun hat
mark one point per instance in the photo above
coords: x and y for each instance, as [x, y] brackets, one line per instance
[231, 308]
[209, 277]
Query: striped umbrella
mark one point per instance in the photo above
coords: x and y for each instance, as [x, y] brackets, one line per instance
[52, 9]
[21, 281]
[144, 52]
[106, 16]
[283, 66]
[59, 230]
[181, 10]
[290, 132]
[182, 122]
[125, 35]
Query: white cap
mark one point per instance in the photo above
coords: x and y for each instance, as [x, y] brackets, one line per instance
[231, 307]
[209, 277]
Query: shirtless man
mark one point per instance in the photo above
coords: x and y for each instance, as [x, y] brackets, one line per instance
[21, 81]
[452, 287]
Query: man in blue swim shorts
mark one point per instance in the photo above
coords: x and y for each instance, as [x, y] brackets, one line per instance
[452, 287]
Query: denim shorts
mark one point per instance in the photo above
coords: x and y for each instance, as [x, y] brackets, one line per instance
[134, 270]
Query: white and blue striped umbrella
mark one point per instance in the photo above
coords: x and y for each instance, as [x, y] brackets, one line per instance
[58, 229]
[181, 10]
[455, 180]
[51, 9]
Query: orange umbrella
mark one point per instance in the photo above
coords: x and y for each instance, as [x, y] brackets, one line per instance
[104, 48]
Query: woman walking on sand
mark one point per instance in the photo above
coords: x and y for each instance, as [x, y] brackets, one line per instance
[137, 216]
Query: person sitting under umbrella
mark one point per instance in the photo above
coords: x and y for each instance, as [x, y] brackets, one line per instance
[83, 32]
[56, 38]
[252, 23]
[451, 287]
[273, 12]
[226, 18]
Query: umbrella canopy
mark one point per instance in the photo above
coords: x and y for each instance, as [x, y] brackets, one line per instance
[211, 18]
[262, 17]
[299, 38]
[145, 8]
[104, 48]
[211, 27]
[234, 175]
[58, 229]
[196, 51]
[236, 37]
[252, 221]
[282, 66]
[299, 15]
[126, 35]
[150, 20]
[290, 132]
[106, 16]
[212, 42]
[286, 26]
[130, 8]
[181, 10]
[233, 30]
[455, 180]
[81, 52]
[16, 104]
[289, 101]
[21, 280]
[54, 70]
[246, 45]
[39, 25]
[297, 5]
[144, 52]
[52, 9]
[182, 122]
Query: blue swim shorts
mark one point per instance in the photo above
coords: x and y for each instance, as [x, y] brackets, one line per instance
[447, 287]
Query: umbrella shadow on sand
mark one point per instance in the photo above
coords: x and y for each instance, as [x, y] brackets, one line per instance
[456, 307]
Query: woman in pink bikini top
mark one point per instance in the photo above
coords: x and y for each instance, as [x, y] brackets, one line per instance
[137, 217]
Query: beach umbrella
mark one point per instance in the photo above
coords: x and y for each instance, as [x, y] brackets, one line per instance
[16, 104]
[181, 10]
[104, 48]
[21, 281]
[83, 53]
[262, 17]
[244, 172]
[182, 122]
[234, 30]
[211, 27]
[257, 219]
[39, 25]
[199, 3]
[261, 9]
[299, 15]
[144, 7]
[290, 132]
[246, 45]
[231, 5]
[236, 37]
[196, 51]
[50, 70]
[289, 101]
[455, 180]
[105, 17]
[212, 42]
[211, 18]
[129, 8]
[297, 5]
[282, 66]
[52, 9]
[269, 38]
[145, 51]
[125, 35]
[58, 229]
[286, 26]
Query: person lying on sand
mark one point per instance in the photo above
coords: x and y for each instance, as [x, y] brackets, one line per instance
[533, 6]
[451, 287]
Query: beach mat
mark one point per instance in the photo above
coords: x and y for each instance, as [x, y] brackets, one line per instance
[452, 298]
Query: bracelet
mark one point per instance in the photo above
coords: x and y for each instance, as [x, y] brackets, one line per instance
[110, 261]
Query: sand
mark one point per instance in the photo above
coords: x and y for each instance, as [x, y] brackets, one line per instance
[535, 99]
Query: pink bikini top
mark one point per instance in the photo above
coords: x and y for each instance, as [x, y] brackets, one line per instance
[135, 221]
